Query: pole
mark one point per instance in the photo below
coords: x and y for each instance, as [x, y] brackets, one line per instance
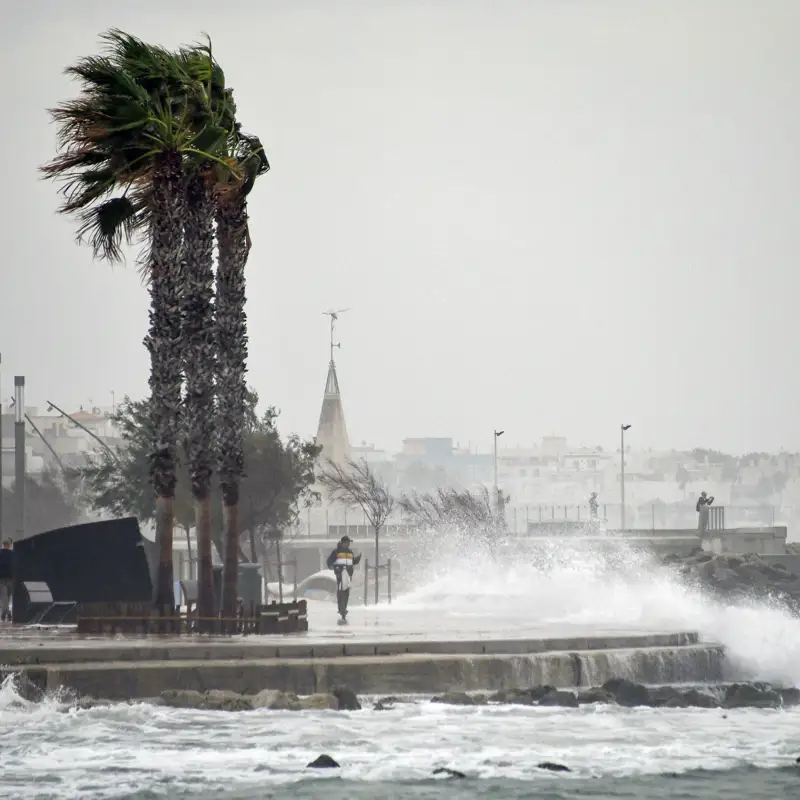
[19, 453]
[377, 569]
[622, 476]
[82, 427]
[2, 538]
[494, 464]
[280, 568]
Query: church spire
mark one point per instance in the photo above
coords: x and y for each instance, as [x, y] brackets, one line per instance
[332, 430]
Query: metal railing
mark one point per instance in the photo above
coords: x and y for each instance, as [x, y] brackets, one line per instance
[521, 519]
[716, 518]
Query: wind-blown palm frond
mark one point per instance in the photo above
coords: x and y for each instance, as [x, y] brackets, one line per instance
[137, 102]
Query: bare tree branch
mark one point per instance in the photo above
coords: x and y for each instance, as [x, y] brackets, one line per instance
[355, 485]
[453, 508]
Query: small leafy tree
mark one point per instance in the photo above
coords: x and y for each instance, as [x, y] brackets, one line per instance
[353, 485]
[278, 480]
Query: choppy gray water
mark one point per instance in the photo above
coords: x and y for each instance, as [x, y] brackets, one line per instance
[141, 751]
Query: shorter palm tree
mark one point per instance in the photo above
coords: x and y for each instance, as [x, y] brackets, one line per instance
[233, 242]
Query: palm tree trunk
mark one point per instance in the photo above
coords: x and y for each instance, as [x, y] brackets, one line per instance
[198, 346]
[163, 343]
[231, 327]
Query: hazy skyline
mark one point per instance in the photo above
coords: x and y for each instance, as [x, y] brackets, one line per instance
[549, 217]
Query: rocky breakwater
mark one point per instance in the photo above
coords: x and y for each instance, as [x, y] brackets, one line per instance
[616, 691]
[339, 699]
[738, 577]
[622, 692]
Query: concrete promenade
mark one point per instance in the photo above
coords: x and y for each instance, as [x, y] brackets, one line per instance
[379, 652]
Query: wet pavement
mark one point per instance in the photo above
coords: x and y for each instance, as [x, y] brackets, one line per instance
[368, 626]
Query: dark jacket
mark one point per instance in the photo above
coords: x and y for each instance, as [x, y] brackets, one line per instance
[342, 557]
[6, 564]
[703, 501]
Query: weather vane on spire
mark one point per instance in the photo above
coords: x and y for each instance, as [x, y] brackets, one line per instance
[334, 315]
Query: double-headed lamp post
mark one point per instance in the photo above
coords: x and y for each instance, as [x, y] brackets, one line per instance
[497, 435]
[622, 429]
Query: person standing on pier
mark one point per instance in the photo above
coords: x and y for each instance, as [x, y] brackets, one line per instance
[341, 561]
[6, 580]
[593, 506]
[703, 502]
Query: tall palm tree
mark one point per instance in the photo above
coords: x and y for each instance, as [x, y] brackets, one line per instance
[216, 113]
[123, 143]
[199, 357]
[233, 243]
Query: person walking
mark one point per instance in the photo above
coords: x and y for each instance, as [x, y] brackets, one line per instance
[6, 580]
[703, 502]
[341, 561]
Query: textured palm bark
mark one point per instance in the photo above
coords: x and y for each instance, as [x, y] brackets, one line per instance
[231, 329]
[230, 573]
[199, 367]
[205, 572]
[163, 343]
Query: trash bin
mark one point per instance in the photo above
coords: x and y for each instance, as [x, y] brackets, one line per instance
[250, 583]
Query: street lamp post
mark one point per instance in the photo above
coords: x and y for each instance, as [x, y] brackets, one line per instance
[622, 429]
[19, 452]
[497, 435]
[51, 405]
[2, 539]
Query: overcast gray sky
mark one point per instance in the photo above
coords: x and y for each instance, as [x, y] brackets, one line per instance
[549, 216]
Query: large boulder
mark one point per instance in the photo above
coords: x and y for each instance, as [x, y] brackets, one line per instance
[223, 700]
[538, 692]
[275, 700]
[627, 693]
[595, 695]
[697, 699]
[182, 698]
[520, 697]
[751, 695]
[789, 697]
[348, 699]
[559, 697]
[455, 699]
[667, 696]
[316, 702]
[323, 762]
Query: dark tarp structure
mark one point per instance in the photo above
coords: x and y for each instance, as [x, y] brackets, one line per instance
[97, 562]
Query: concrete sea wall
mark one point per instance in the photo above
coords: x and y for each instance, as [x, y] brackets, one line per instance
[409, 673]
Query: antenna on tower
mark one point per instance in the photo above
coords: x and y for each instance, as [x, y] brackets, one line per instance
[334, 315]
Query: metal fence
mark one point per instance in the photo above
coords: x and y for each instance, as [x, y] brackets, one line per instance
[335, 523]
[654, 516]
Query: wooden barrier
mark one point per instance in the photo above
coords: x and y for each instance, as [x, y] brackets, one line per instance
[111, 619]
